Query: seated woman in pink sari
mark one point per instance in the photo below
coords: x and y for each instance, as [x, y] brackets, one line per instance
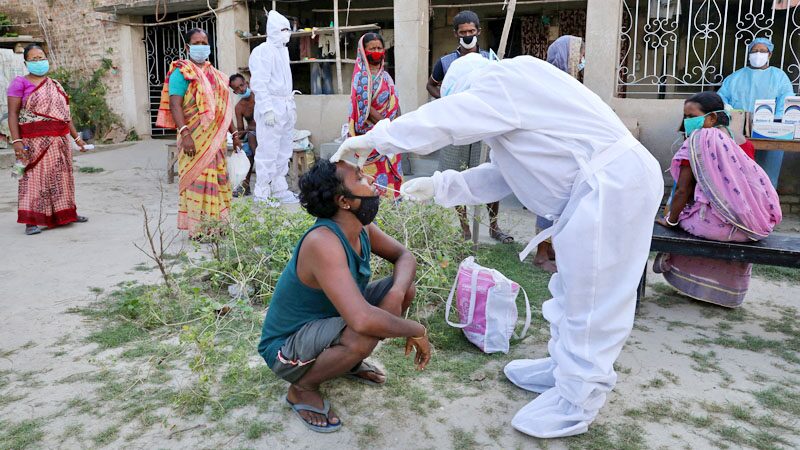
[372, 99]
[722, 195]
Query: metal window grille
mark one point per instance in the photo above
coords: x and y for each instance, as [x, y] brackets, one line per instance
[675, 48]
[164, 44]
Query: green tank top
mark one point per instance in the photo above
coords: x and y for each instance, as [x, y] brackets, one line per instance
[294, 304]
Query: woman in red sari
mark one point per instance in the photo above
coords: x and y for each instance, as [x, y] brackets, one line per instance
[372, 99]
[39, 121]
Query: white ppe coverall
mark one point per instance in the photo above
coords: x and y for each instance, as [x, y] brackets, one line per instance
[275, 114]
[565, 154]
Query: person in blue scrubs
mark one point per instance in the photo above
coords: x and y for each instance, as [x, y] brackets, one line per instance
[759, 81]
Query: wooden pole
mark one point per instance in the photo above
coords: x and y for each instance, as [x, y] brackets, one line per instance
[336, 43]
[501, 51]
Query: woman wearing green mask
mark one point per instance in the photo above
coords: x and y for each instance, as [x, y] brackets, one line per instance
[720, 194]
[39, 121]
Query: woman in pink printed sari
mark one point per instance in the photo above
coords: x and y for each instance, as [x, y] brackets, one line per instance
[372, 99]
[40, 123]
[722, 195]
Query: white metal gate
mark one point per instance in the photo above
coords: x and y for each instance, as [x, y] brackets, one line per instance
[674, 48]
[164, 44]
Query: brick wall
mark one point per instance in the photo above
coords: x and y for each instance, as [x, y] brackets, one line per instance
[75, 38]
[789, 183]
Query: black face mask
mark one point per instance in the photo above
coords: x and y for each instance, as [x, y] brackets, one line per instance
[368, 210]
[468, 42]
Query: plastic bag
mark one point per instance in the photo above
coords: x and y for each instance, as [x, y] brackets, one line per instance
[486, 305]
[238, 168]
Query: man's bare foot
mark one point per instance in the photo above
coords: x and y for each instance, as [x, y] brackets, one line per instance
[369, 373]
[312, 397]
[546, 265]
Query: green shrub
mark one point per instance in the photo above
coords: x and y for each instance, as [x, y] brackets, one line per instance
[87, 95]
[5, 24]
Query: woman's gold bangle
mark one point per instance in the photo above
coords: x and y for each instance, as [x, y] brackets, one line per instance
[423, 334]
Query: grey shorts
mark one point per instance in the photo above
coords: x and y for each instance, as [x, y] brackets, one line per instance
[460, 157]
[301, 349]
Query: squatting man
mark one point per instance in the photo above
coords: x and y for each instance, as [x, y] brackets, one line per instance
[325, 317]
[565, 155]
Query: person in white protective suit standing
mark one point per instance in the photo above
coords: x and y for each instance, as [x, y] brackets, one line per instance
[275, 114]
[565, 154]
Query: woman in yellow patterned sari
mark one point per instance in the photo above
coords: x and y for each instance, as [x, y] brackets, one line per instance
[196, 101]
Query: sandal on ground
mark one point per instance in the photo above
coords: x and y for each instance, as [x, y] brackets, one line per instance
[500, 236]
[30, 230]
[82, 219]
[326, 409]
[365, 367]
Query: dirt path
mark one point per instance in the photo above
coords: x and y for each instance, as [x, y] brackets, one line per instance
[691, 375]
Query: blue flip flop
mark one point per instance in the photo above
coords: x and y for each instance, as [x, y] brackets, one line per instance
[326, 409]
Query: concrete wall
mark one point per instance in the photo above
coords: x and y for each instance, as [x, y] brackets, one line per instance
[323, 115]
[411, 51]
[233, 52]
[657, 119]
[76, 37]
[134, 105]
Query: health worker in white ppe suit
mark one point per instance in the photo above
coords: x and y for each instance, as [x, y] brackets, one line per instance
[566, 156]
[275, 114]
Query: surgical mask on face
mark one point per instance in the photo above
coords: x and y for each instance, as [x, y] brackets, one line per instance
[286, 35]
[38, 68]
[375, 58]
[468, 42]
[368, 210]
[246, 94]
[758, 59]
[581, 64]
[692, 124]
[199, 53]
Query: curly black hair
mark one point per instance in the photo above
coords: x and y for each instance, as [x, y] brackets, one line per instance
[319, 188]
[466, 16]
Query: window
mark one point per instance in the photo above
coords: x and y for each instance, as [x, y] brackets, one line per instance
[674, 48]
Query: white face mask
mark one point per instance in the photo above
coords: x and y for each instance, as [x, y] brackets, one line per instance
[758, 59]
[285, 36]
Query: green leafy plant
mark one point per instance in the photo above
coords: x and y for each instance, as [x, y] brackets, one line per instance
[5, 24]
[87, 94]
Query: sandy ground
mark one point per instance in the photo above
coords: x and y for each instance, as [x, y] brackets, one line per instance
[40, 343]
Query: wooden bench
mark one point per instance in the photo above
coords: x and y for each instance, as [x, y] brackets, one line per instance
[778, 249]
[172, 158]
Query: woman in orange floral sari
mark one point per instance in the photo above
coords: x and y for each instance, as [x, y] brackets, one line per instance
[39, 121]
[196, 101]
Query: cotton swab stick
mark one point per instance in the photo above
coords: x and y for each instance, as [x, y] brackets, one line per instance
[386, 187]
